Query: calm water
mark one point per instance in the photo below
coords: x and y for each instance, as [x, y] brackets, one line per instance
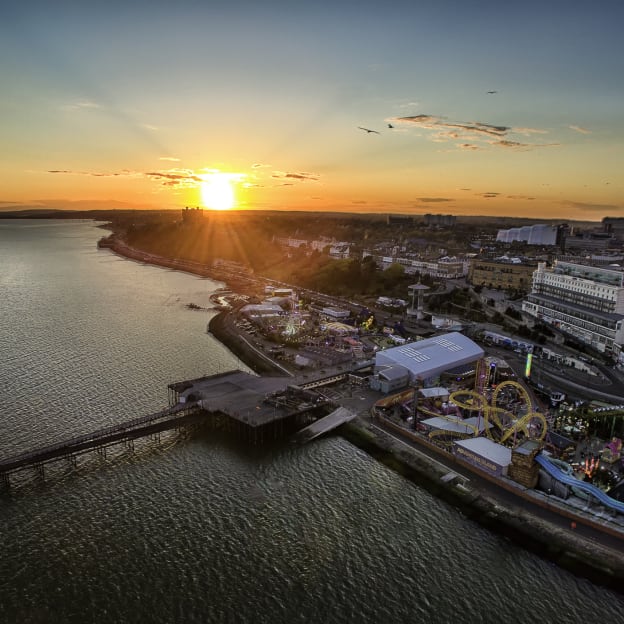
[199, 529]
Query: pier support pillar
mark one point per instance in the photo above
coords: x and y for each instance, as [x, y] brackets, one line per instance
[130, 445]
[101, 451]
[40, 470]
[6, 480]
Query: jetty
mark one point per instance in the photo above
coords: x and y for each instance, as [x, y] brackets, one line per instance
[255, 409]
[173, 417]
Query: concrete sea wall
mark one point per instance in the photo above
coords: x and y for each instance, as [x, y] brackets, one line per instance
[600, 564]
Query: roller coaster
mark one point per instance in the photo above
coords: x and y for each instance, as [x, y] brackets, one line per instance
[507, 418]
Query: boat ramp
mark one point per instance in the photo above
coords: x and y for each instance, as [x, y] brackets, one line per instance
[338, 417]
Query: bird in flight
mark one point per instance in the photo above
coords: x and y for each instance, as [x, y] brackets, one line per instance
[367, 130]
[390, 126]
[492, 92]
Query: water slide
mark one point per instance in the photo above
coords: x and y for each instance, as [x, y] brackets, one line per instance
[597, 493]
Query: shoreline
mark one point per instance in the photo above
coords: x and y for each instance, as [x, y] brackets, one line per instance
[571, 551]
[481, 502]
[225, 333]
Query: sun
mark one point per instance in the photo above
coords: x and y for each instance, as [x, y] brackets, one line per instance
[217, 191]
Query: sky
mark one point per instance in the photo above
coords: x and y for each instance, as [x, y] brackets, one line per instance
[477, 107]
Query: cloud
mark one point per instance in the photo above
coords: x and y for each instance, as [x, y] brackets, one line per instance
[433, 200]
[525, 197]
[295, 176]
[259, 165]
[592, 207]
[529, 131]
[149, 127]
[425, 120]
[172, 177]
[175, 177]
[458, 128]
[468, 134]
[81, 105]
[480, 128]
[488, 195]
[169, 158]
[507, 143]
[94, 174]
[580, 129]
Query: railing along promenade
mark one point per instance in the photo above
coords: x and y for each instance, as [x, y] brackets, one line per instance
[168, 418]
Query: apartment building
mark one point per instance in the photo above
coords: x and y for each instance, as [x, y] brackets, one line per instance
[444, 268]
[586, 302]
[504, 273]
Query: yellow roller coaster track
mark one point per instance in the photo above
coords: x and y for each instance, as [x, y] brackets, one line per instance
[449, 435]
[531, 425]
[501, 424]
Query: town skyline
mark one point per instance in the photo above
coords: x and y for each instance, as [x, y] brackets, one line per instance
[487, 110]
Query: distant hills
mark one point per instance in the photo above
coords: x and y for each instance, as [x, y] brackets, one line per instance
[106, 215]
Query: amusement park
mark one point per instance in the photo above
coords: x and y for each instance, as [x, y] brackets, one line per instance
[497, 430]
[445, 394]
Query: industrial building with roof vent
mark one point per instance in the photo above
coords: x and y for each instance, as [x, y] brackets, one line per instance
[423, 361]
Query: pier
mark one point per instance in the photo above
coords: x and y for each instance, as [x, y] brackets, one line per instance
[170, 418]
[254, 409]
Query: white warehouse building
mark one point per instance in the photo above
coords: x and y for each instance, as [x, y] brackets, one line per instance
[539, 234]
[426, 360]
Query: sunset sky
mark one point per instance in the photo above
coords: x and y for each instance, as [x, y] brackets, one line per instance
[502, 108]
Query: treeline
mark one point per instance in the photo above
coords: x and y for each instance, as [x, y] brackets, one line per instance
[252, 242]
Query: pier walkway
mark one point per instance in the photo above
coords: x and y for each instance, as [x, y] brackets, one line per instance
[168, 418]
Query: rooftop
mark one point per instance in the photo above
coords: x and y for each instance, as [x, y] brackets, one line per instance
[236, 393]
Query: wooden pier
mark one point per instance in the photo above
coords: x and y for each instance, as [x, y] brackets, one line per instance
[256, 410]
[174, 417]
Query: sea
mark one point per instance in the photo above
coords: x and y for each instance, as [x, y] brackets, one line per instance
[196, 527]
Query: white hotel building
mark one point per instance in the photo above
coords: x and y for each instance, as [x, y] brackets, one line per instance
[583, 301]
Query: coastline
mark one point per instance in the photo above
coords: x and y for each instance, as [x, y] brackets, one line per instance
[567, 548]
[226, 334]
[483, 503]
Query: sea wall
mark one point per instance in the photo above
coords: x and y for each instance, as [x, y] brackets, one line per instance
[600, 564]
[223, 329]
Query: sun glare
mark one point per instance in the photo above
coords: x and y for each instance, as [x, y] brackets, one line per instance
[217, 191]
